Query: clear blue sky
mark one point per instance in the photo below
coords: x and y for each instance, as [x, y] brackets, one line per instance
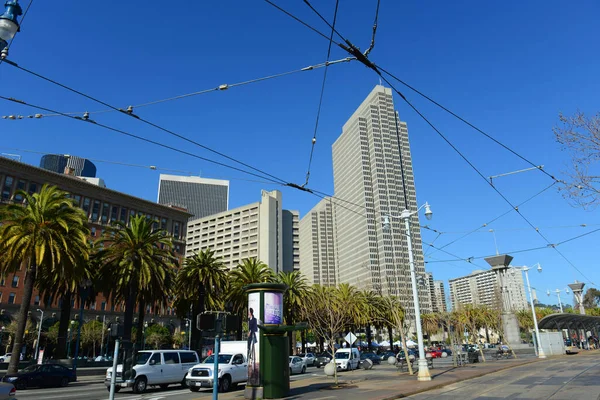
[509, 67]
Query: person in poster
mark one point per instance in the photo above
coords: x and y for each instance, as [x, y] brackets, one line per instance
[254, 305]
[252, 329]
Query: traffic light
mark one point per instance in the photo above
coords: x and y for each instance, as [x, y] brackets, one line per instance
[216, 322]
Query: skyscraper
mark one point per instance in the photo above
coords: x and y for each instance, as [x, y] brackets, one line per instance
[199, 196]
[317, 247]
[373, 174]
[68, 164]
[291, 240]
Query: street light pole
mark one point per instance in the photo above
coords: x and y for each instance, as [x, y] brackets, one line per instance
[84, 289]
[535, 324]
[37, 343]
[9, 25]
[102, 341]
[423, 374]
[557, 291]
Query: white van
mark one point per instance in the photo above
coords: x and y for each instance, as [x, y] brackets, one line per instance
[156, 367]
[233, 368]
[347, 359]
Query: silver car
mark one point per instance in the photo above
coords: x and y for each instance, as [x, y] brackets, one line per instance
[297, 365]
[7, 391]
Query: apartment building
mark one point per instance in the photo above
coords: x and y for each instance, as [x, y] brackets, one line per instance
[200, 196]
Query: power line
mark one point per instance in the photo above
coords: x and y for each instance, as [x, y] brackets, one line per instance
[537, 166]
[302, 22]
[139, 138]
[331, 26]
[219, 88]
[314, 139]
[141, 166]
[372, 45]
[507, 229]
[129, 112]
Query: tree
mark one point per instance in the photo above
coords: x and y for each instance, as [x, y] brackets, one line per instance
[45, 235]
[591, 299]
[293, 299]
[579, 135]
[157, 336]
[431, 325]
[393, 315]
[251, 270]
[473, 318]
[91, 335]
[201, 284]
[137, 263]
[327, 314]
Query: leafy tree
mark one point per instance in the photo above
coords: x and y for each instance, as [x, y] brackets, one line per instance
[394, 316]
[52, 334]
[473, 318]
[431, 325]
[294, 297]
[91, 334]
[46, 235]
[200, 285]
[591, 299]
[137, 263]
[579, 135]
[157, 336]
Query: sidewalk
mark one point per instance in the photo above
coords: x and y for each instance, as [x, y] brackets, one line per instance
[384, 382]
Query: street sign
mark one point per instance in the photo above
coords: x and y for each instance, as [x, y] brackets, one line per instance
[350, 338]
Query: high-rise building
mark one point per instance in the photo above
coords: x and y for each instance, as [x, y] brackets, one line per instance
[200, 196]
[439, 305]
[253, 230]
[317, 244]
[68, 164]
[291, 240]
[481, 287]
[373, 174]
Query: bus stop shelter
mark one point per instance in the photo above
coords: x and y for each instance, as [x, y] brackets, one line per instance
[584, 326]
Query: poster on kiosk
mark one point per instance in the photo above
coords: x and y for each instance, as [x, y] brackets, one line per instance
[254, 308]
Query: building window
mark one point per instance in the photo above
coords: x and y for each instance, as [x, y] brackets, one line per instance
[3, 282]
[123, 217]
[176, 230]
[114, 213]
[95, 210]
[93, 306]
[93, 231]
[15, 281]
[11, 298]
[86, 205]
[105, 209]
[21, 185]
[32, 187]
[36, 301]
[163, 223]
[103, 306]
[76, 200]
[7, 188]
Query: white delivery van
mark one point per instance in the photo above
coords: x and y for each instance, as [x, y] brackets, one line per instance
[347, 359]
[233, 368]
[155, 368]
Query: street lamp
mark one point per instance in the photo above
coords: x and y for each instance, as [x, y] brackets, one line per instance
[37, 344]
[70, 338]
[107, 342]
[535, 324]
[9, 25]
[423, 374]
[145, 327]
[557, 291]
[188, 328]
[1, 336]
[84, 289]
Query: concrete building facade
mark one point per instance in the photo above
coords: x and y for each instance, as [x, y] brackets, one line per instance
[317, 244]
[200, 196]
[253, 230]
[373, 173]
[437, 293]
[482, 288]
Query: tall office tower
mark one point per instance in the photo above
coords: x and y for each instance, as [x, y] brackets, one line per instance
[372, 168]
[317, 245]
[69, 165]
[201, 197]
[440, 304]
[291, 240]
[250, 231]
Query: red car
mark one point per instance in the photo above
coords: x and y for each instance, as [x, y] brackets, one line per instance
[435, 353]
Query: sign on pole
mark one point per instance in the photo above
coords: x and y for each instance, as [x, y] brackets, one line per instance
[350, 338]
[40, 359]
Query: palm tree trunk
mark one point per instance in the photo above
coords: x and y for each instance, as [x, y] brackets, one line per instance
[197, 309]
[139, 334]
[63, 326]
[13, 365]
[369, 335]
[391, 337]
[303, 338]
[128, 351]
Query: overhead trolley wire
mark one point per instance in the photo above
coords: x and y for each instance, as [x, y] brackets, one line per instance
[314, 139]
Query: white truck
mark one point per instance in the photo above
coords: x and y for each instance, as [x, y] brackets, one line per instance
[347, 359]
[233, 368]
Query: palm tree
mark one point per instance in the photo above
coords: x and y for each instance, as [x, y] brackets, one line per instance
[473, 317]
[200, 284]
[137, 262]
[430, 324]
[44, 235]
[293, 300]
[371, 302]
[251, 270]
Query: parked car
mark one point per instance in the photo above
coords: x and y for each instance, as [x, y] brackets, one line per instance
[297, 365]
[347, 358]
[155, 368]
[6, 357]
[371, 356]
[384, 356]
[447, 351]
[435, 353]
[309, 358]
[233, 369]
[41, 376]
[7, 391]
[323, 359]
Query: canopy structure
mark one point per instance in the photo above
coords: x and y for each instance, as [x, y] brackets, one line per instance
[570, 321]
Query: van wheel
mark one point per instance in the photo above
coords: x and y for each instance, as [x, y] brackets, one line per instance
[194, 388]
[140, 385]
[117, 388]
[225, 383]
[303, 370]
[184, 383]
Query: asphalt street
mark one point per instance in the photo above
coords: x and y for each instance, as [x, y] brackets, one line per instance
[568, 378]
[94, 390]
